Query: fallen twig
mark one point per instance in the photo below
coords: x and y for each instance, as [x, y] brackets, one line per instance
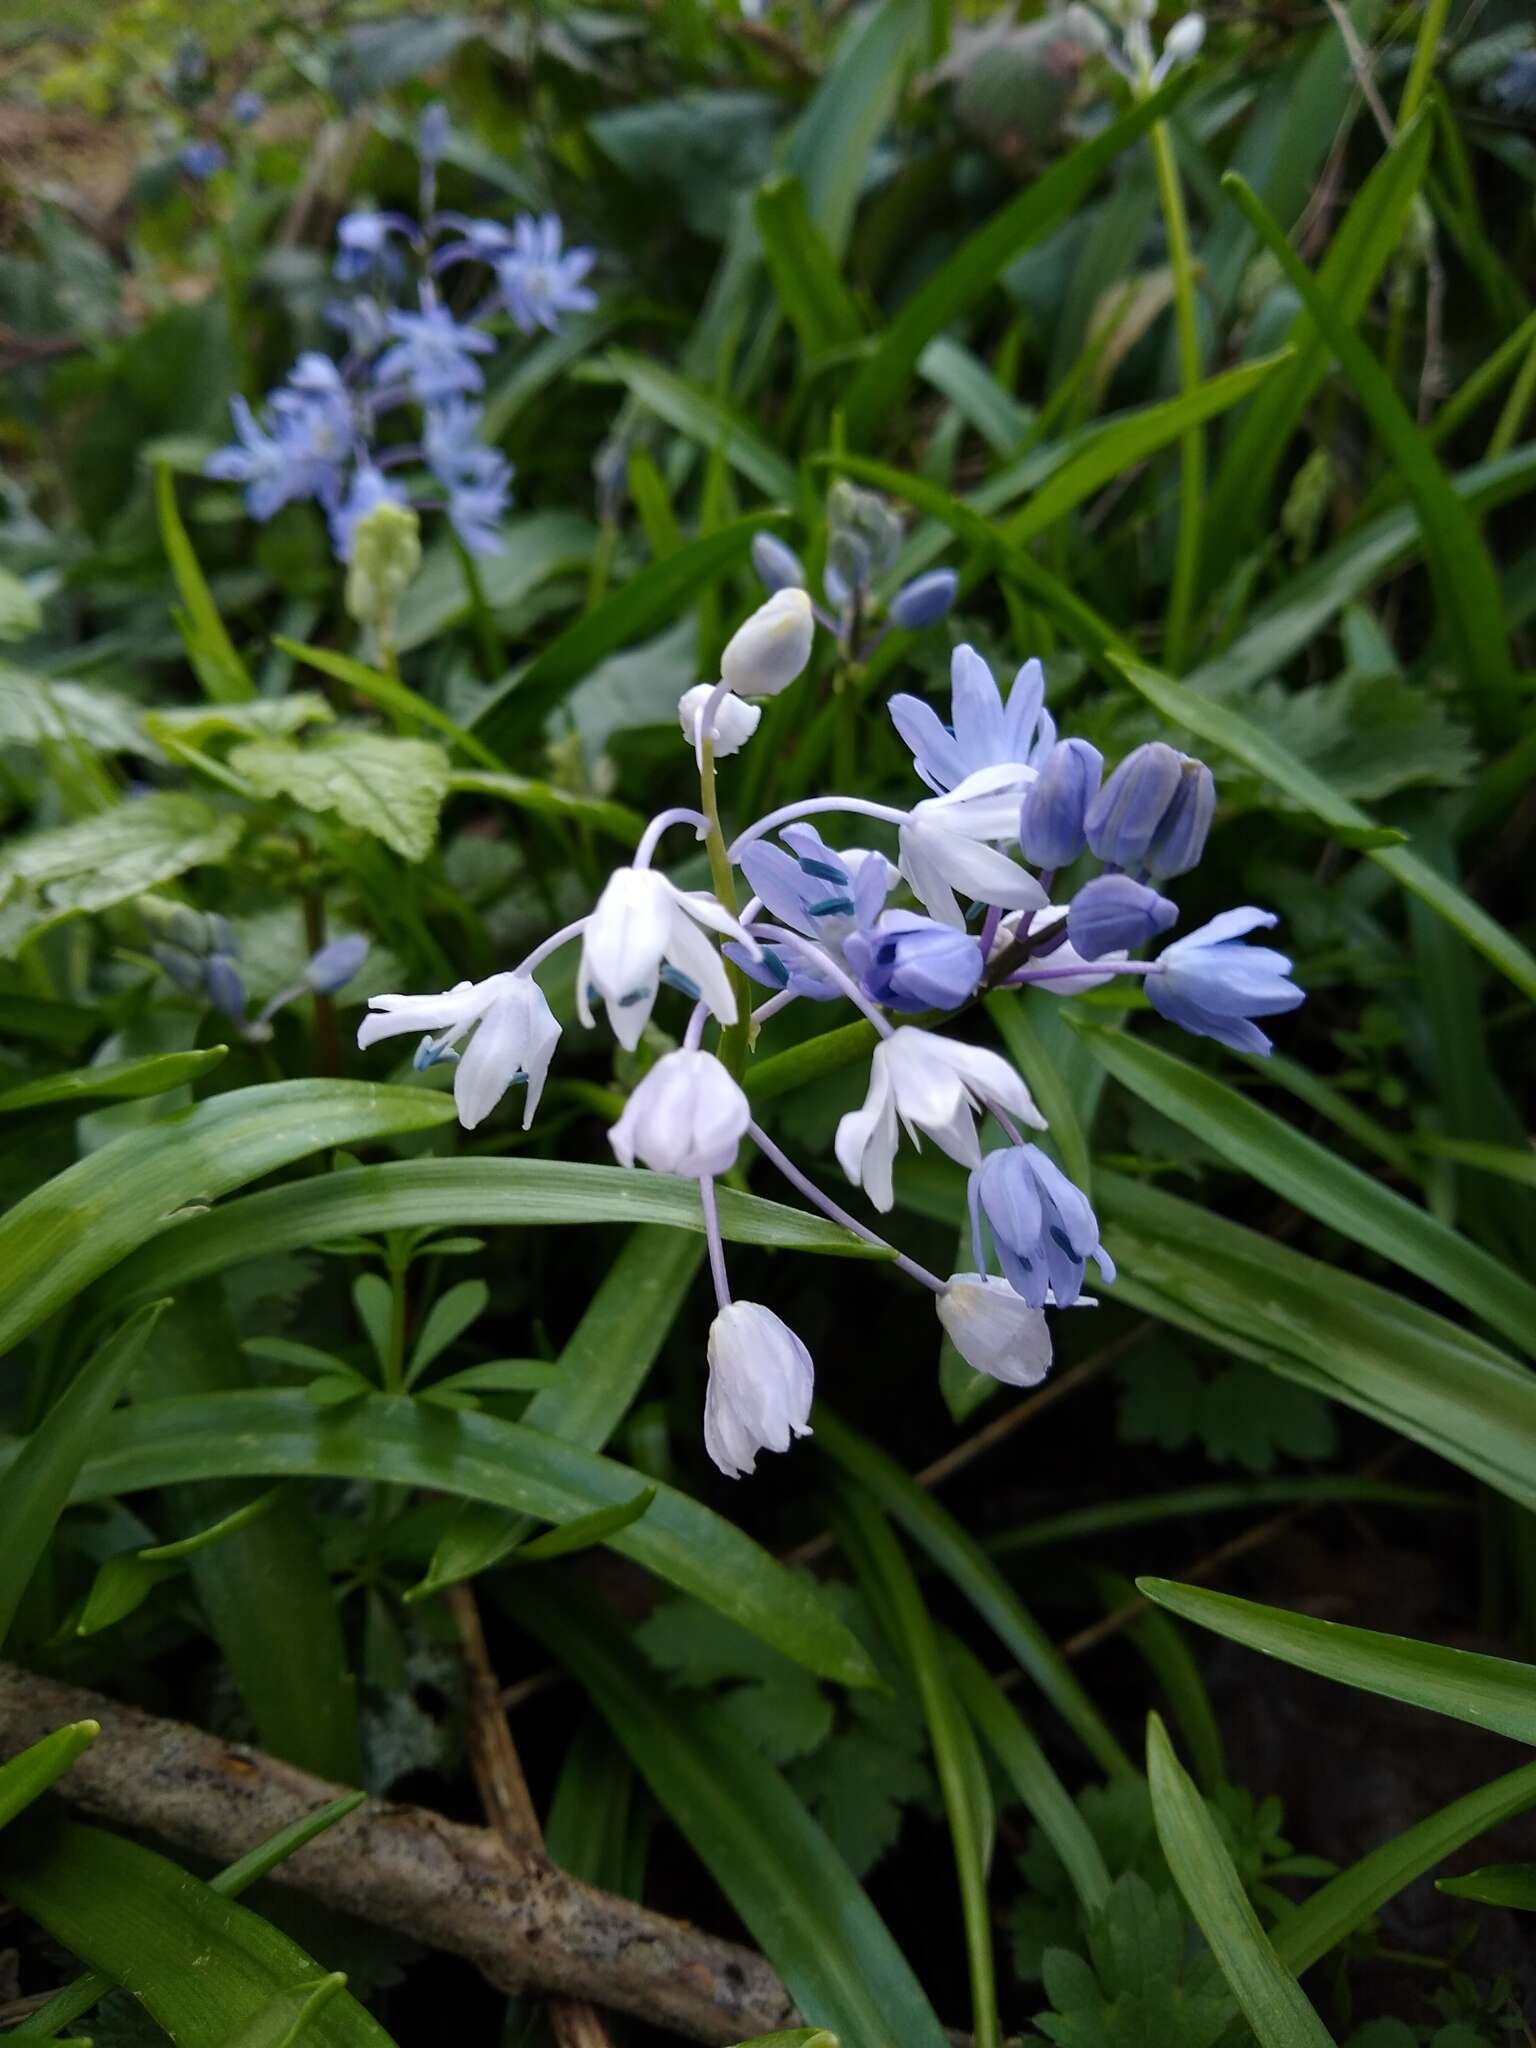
[523, 1923]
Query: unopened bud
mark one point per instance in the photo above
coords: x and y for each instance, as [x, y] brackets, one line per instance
[767, 651]
[226, 989]
[925, 600]
[1184, 39]
[1056, 802]
[734, 722]
[334, 965]
[1180, 838]
[1113, 914]
[778, 567]
[386, 553]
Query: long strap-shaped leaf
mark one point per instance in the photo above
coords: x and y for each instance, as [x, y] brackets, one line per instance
[278, 1435]
[80, 1223]
[27, 1777]
[1273, 2003]
[1318, 1181]
[797, 1897]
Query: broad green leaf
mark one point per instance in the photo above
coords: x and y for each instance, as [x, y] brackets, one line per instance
[202, 1966]
[261, 718]
[38, 1483]
[1466, 583]
[68, 1232]
[535, 550]
[395, 697]
[513, 715]
[27, 1777]
[219, 668]
[1028, 1769]
[1366, 240]
[785, 1879]
[780, 1073]
[599, 1373]
[290, 2015]
[36, 711]
[849, 111]
[1337, 1334]
[119, 1080]
[547, 800]
[1496, 1884]
[67, 870]
[1237, 1497]
[451, 1192]
[1490, 1692]
[1186, 706]
[382, 1439]
[390, 787]
[879, 387]
[876, 1555]
[816, 302]
[1304, 1936]
[585, 1532]
[1504, 1160]
[1273, 2003]
[707, 420]
[77, 1998]
[963, 1560]
[1316, 1180]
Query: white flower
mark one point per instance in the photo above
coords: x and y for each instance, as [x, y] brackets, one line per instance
[945, 845]
[515, 1039]
[734, 722]
[642, 920]
[768, 650]
[1071, 976]
[687, 1116]
[994, 1331]
[760, 1385]
[931, 1084]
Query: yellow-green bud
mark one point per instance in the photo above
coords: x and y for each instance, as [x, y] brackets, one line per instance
[386, 553]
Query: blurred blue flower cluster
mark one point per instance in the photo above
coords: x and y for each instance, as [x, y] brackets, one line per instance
[398, 419]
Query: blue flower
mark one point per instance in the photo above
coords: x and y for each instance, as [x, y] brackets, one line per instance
[433, 354]
[432, 132]
[817, 892]
[369, 488]
[925, 600]
[913, 963]
[1154, 811]
[1056, 802]
[247, 107]
[538, 280]
[778, 567]
[478, 479]
[260, 462]
[362, 238]
[480, 241]
[983, 732]
[1114, 914]
[1042, 1225]
[1212, 984]
[201, 160]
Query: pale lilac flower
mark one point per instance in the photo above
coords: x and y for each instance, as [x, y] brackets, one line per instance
[688, 1116]
[912, 963]
[642, 922]
[539, 280]
[1041, 1223]
[983, 732]
[761, 1381]
[433, 354]
[515, 1038]
[994, 1331]
[1212, 984]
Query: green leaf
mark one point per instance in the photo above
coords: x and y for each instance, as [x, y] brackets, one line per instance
[586, 1532]
[1186, 706]
[27, 1777]
[515, 712]
[48, 1463]
[124, 1582]
[849, 111]
[797, 2037]
[446, 1321]
[1334, 1333]
[261, 718]
[1367, 238]
[281, 1435]
[49, 876]
[448, 1192]
[219, 668]
[141, 1920]
[810, 288]
[1490, 1692]
[1496, 1884]
[392, 788]
[68, 1232]
[1273, 2003]
[1504, 1160]
[38, 710]
[1316, 1180]
[117, 1080]
[381, 689]
[792, 1890]
[707, 420]
[878, 389]
[1140, 1983]
[546, 800]
[963, 1560]
[502, 1376]
[1466, 583]
[1234, 1497]
[1305, 1935]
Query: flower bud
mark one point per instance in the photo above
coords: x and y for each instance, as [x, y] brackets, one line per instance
[334, 965]
[925, 600]
[994, 1331]
[1179, 840]
[247, 107]
[1055, 804]
[1184, 39]
[1122, 819]
[185, 969]
[432, 132]
[767, 651]
[1115, 914]
[385, 555]
[687, 1117]
[761, 1380]
[915, 963]
[734, 722]
[226, 988]
[778, 567]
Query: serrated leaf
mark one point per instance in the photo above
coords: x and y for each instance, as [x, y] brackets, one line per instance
[390, 787]
[262, 717]
[105, 860]
[35, 709]
[1367, 736]
[1138, 1984]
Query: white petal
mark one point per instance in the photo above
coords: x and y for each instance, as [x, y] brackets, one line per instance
[490, 1064]
[391, 1016]
[866, 1138]
[708, 910]
[734, 722]
[627, 933]
[767, 651]
[991, 1079]
[994, 1331]
[689, 951]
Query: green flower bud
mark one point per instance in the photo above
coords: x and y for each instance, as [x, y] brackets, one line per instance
[386, 553]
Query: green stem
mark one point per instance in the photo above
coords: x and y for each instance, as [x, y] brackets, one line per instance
[735, 1040]
[493, 655]
[1431, 28]
[1516, 406]
[1186, 561]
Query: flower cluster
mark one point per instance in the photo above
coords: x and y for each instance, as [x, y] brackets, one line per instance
[1121, 30]
[201, 954]
[863, 537]
[1011, 807]
[398, 419]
